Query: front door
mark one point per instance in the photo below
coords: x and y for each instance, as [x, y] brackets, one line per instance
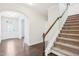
[9, 27]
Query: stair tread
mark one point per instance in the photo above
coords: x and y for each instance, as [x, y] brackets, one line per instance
[73, 17]
[69, 30]
[72, 26]
[69, 39]
[64, 51]
[68, 45]
[72, 23]
[69, 34]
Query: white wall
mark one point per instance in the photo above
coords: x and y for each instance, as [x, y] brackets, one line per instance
[55, 11]
[74, 9]
[36, 21]
[37, 28]
[52, 15]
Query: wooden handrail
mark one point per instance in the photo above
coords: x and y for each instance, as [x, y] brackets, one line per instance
[44, 34]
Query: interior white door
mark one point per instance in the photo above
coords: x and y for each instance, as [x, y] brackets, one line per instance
[9, 28]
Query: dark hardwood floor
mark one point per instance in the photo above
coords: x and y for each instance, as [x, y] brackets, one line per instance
[16, 47]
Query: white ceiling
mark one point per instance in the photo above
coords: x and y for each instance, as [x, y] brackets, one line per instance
[42, 7]
[11, 14]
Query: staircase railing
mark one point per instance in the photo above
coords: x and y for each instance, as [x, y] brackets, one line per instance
[45, 34]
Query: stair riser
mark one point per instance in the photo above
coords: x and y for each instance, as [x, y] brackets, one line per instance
[69, 36]
[69, 20]
[70, 28]
[71, 24]
[72, 21]
[73, 18]
[67, 48]
[68, 42]
[70, 32]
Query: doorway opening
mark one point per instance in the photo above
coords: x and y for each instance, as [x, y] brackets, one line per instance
[12, 25]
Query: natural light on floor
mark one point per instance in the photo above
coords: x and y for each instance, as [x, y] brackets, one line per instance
[10, 48]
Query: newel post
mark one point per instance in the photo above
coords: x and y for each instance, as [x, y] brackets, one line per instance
[43, 44]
